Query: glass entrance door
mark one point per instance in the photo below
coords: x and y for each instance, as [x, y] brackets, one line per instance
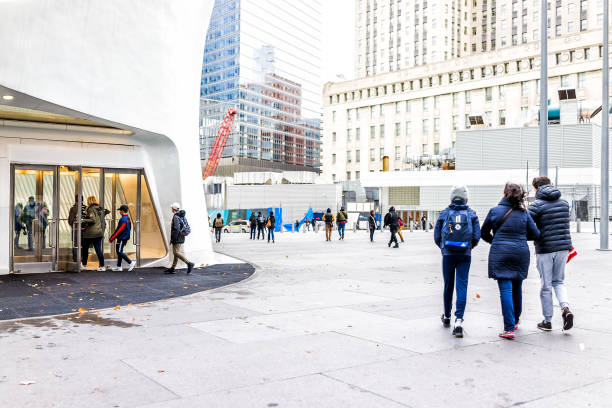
[34, 218]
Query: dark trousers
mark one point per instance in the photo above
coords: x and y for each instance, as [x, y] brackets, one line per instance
[455, 268]
[510, 293]
[253, 231]
[119, 245]
[372, 234]
[260, 231]
[97, 244]
[271, 234]
[393, 237]
[218, 234]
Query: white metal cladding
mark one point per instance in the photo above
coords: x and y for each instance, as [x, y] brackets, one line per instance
[469, 150]
[294, 199]
[483, 198]
[530, 148]
[500, 149]
[555, 146]
[434, 197]
[578, 146]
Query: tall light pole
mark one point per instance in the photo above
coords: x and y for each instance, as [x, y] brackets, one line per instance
[544, 90]
[605, 110]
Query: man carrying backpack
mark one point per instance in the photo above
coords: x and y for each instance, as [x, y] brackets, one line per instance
[457, 231]
[341, 219]
[391, 219]
[261, 224]
[218, 226]
[253, 224]
[178, 231]
[328, 217]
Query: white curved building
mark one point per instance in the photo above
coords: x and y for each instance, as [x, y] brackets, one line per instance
[99, 98]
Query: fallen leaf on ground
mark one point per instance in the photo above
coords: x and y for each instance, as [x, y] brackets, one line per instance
[478, 296]
[161, 371]
[82, 310]
[30, 382]
[117, 307]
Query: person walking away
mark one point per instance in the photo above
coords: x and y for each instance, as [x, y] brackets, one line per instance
[341, 219]
[18, 225]
[456, 233]
[271, 224]
[372, 225]
[122, 236]
[424, 223]
[307, 224]
[391, 220]
[296, 226]
[74, 225]
[261, 223]
[253, 225]
[507, 228]
[93, 224]
[218, 225]
[178, 231]
[329, 224]
[400, 227]
[551, 214]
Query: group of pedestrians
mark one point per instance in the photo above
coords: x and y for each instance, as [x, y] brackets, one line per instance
[507, 227]
[259, 224]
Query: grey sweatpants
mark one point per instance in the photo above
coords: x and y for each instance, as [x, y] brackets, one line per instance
[552, 274]
[178, 254]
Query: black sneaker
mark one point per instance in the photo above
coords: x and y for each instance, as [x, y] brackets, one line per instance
[190, 266]
[568, 318]
[396, 246]
[169, 271]
[445, 320]
[546, 326]
[458, 330]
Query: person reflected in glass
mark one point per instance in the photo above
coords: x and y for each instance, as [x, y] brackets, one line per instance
[74, 224]
[19, 226]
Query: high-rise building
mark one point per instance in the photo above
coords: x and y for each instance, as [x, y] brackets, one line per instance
[394, 34]
[264, 59]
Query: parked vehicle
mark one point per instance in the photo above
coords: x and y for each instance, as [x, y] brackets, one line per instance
[237, 226]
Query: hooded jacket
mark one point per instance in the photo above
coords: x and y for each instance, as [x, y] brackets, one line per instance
[253, 220]
[457, 205]
[176, 237]
[94, 222]
[509, 253]
[551, 214]
[391, 219]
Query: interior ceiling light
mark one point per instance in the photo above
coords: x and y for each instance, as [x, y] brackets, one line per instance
[8, 97]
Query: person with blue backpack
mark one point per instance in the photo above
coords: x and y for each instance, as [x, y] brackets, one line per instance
[457, 231]
[178, 231]
[122, 236]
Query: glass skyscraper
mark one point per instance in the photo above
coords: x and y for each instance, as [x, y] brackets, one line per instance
[263, 57]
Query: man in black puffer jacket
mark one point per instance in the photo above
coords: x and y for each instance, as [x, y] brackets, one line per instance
[551, 214]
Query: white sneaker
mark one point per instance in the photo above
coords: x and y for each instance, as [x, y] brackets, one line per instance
[101, 269]
[117, 269]
[132, 265]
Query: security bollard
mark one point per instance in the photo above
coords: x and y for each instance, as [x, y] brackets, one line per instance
[578, 226]
[354, 227]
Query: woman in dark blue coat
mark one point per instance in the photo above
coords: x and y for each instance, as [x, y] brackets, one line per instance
[507, 228]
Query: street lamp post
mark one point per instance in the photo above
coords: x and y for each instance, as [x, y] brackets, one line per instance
[544, 90]
[605, 149]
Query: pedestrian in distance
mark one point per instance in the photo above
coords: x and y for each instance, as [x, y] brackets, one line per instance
[457, 231]
[391, 219]
[253, 225]
[261, 224]
[307, 222]
[372, 225]
[551, 214]
[178, 231]
[122, 236]
[507, 228]
[328, 217]
[271, 225]
[424, 222]
[218, 226]
[400, 224]
[93, 233]
[296, 226]
[341, 219]
[19, 226]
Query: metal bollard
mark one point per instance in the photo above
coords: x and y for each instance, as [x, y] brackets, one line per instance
[411, 225]
[578, 226]
[354, 227]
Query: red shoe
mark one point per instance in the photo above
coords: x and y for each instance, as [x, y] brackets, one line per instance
[508, 335]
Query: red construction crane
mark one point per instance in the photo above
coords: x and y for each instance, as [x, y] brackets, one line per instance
[219, 145]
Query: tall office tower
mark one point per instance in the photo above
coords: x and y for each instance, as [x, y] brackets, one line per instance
[392, 35]
[264, 58]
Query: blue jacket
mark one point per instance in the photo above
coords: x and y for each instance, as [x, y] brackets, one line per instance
[176, 236]
[509, 253]
[122, 232]
[551, 214]
[457, 205]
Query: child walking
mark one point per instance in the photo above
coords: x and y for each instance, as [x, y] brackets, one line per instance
[122, 235]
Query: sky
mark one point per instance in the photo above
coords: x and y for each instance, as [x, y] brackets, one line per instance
[338, 39]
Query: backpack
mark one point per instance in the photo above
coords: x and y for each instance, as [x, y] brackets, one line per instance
[457, 231]
[260, 219]
[184, 226]
[328, 218]
[218, 222]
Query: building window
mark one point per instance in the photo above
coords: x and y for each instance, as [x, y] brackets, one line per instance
[455, 122]
[334, 137]
[502, 117]
[564, 81]
[426, 103]
[467, 121]
[348, 156]
[372, 112]
[488, 94]
[436, 125]
[397, 107]
[524, 89]
[372, 154]
[333, 177]
[372, 132]
[408, 106]
[382, 110]
[570, 26]
[334, 158]
[502, 92]
[397, 153]
[408, 129]
[398, 130]
[358, 134]
[425, 125]
[455, 99]
[488, 118]
[424, 149]
[357, 175]
[436, 148]
[358, 156]
[437, 102]
[581, 79]
[468, 97]
[333, 116]
[357, 113]
[348, 175]
[349, 116]
[382, 131]
[382, 152]
[348, 135]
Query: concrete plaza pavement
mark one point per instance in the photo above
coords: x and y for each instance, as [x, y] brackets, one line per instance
[322, 324]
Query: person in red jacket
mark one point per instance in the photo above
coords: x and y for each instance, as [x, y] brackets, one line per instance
[122, 235]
